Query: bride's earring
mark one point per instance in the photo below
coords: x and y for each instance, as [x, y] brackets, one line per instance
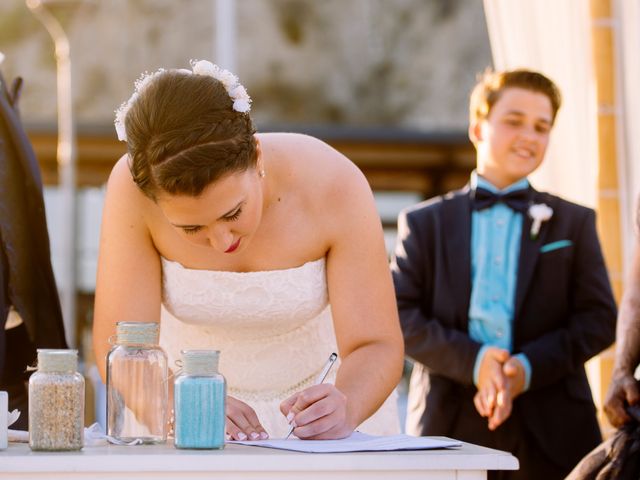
[262, 173]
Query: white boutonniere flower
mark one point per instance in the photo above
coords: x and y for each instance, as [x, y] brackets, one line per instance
[539, 212]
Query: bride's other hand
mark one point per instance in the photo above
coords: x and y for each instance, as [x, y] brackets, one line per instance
[318, 413]
[242, 422]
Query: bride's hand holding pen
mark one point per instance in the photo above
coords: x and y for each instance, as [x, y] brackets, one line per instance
[319, 411]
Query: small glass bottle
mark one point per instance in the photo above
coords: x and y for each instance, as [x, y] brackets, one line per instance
[56, 402]
[199, 401]
[137, 388]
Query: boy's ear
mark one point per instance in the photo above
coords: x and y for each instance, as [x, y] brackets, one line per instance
[475, 131]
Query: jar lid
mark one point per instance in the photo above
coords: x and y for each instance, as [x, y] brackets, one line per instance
[137, 333]
[200, 362]
[57, 360]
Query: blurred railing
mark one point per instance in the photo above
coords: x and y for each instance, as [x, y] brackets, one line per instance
[428, 163]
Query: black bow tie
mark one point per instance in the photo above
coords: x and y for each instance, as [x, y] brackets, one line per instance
[518, 200]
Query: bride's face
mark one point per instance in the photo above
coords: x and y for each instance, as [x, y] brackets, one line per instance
[225, 216]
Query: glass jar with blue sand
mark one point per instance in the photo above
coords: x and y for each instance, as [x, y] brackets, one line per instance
[199, 397]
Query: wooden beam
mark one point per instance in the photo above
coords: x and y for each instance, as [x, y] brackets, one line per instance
[423, 165]
[608, 201]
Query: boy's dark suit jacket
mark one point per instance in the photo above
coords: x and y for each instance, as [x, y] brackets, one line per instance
[564, 314]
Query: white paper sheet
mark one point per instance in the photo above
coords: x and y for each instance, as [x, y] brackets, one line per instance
[357, 442]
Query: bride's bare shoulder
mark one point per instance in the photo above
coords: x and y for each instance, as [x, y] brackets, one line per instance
[292, 142]
[120, 173]
[324, 179]
[310, 159]
[122, 189]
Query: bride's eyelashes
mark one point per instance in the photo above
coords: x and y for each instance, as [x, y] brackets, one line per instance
[229, 218]
[233, 216]
[191, 230]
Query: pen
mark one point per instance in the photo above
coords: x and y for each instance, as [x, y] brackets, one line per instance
[323, 374]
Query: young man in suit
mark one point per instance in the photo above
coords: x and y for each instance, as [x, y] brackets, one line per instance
[503, 294]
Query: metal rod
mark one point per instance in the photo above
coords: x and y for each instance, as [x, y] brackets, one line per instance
[66, 157]
[225, 34]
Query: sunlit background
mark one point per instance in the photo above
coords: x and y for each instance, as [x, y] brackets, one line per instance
[384, 81]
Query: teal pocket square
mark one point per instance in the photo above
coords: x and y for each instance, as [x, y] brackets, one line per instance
[555, 245]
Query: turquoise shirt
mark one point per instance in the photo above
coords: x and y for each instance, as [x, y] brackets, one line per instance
[495, 250]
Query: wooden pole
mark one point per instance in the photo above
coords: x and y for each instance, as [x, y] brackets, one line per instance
[603, 35]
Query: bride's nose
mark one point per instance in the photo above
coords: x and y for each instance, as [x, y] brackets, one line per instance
[220, 239]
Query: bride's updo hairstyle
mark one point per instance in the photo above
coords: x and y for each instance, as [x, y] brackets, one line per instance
[186, 130]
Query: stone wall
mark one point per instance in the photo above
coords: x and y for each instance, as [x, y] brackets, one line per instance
[395, 63]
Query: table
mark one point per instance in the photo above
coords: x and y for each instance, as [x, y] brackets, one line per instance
[110, 462]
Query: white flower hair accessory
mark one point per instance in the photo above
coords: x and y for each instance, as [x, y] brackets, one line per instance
[239, 95]
[539, 212]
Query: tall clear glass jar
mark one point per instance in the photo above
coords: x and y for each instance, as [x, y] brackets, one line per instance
[199, 401]
[137, 385]
[56, 402]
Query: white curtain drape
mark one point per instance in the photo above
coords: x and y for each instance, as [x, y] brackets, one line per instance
[553, 37]
[628, 13]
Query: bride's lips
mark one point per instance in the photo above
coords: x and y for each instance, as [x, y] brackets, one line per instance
[233, 247]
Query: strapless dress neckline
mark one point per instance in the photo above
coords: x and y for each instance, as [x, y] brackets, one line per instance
[232, 272]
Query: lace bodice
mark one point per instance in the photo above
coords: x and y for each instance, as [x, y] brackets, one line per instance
[246, 306]
[273, 328]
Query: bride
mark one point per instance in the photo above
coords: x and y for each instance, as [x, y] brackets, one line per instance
[267, 247]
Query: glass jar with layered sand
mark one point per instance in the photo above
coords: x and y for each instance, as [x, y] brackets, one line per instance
[56, 402]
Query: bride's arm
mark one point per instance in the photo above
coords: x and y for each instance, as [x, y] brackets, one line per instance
[364, 311]
[128, 279]
[128, 283]
[364, 307]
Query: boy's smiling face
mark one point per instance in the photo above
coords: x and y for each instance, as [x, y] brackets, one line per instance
[512, 140]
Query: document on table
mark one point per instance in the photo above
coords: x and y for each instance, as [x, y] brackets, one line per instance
[357, 442]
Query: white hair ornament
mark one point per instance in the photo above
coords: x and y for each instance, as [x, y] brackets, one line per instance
[239, 95]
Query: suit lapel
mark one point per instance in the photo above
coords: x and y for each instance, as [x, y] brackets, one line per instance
[529, 252]
[24, 150]
[457, 234]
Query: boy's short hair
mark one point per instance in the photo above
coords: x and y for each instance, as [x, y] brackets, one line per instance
[491, 85]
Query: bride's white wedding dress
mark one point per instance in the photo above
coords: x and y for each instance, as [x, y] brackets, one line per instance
[273, 328]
